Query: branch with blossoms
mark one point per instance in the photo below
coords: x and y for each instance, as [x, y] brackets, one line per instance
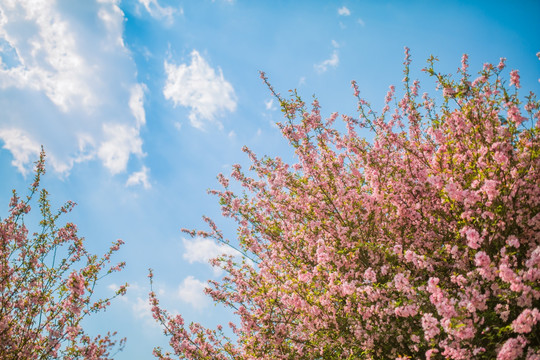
[47, 283]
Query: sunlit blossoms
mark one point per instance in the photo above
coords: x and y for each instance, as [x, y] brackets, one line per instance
[47, 280]
[421, 241]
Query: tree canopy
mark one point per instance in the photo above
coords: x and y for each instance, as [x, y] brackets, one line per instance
[423, 242]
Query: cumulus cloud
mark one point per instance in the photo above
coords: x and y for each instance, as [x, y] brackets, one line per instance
[120, 141]
[202, 250]
[344, 11]
[200, 88]
[68, 82]
[139, 177]
[333, 61]
[191, 290]
[49, 60]
[160, 12]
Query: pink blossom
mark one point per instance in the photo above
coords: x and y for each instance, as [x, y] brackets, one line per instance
[481, 259]
[430, 326]
[322, 255]
[512, 349]
[526, 321]
[464, 63]
[454, 192]
[348, 288]
[401, 282]
[490, 189]
[448, 92]
[513, 241]
[370, 275]
[474, 240]
[501, 64]
[514, 78]
[506, 274]
[500, 158]
[430, 353]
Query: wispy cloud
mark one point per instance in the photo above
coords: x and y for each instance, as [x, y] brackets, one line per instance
[140, 178]
[24, 150]
[269, 104]
[136, 103]
[69, 84]
[160, 12]
[200, 88]
[333, 61]
[136, 299]
[344, 11]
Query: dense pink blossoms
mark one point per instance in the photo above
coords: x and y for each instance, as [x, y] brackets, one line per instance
[422, 243]
[46, 285]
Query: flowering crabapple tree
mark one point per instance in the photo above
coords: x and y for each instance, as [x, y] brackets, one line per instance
[422, 243]
[47, 280]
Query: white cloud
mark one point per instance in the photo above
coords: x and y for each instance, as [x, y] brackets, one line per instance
[361, 22]
[344, 11]
[139, 177]
[136, 299]
[68, 83]
[335, 44]
[191, 290]
[113, 18]
[333, 61]
[142, 308]
[120, 141]
[136, 103]
[199, 87]
[159, 12]
[202, 250]
[49, 58]
[24, 149]
[269, 104]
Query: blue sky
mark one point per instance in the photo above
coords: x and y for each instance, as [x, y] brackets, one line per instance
[140, 104]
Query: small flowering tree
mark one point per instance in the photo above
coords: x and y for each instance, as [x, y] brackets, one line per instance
[423, 243]
[46, 284]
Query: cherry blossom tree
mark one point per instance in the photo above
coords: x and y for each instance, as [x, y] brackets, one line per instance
[47, 280]
[420, 243]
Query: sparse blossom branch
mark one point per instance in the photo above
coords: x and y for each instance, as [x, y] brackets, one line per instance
[47, 282]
